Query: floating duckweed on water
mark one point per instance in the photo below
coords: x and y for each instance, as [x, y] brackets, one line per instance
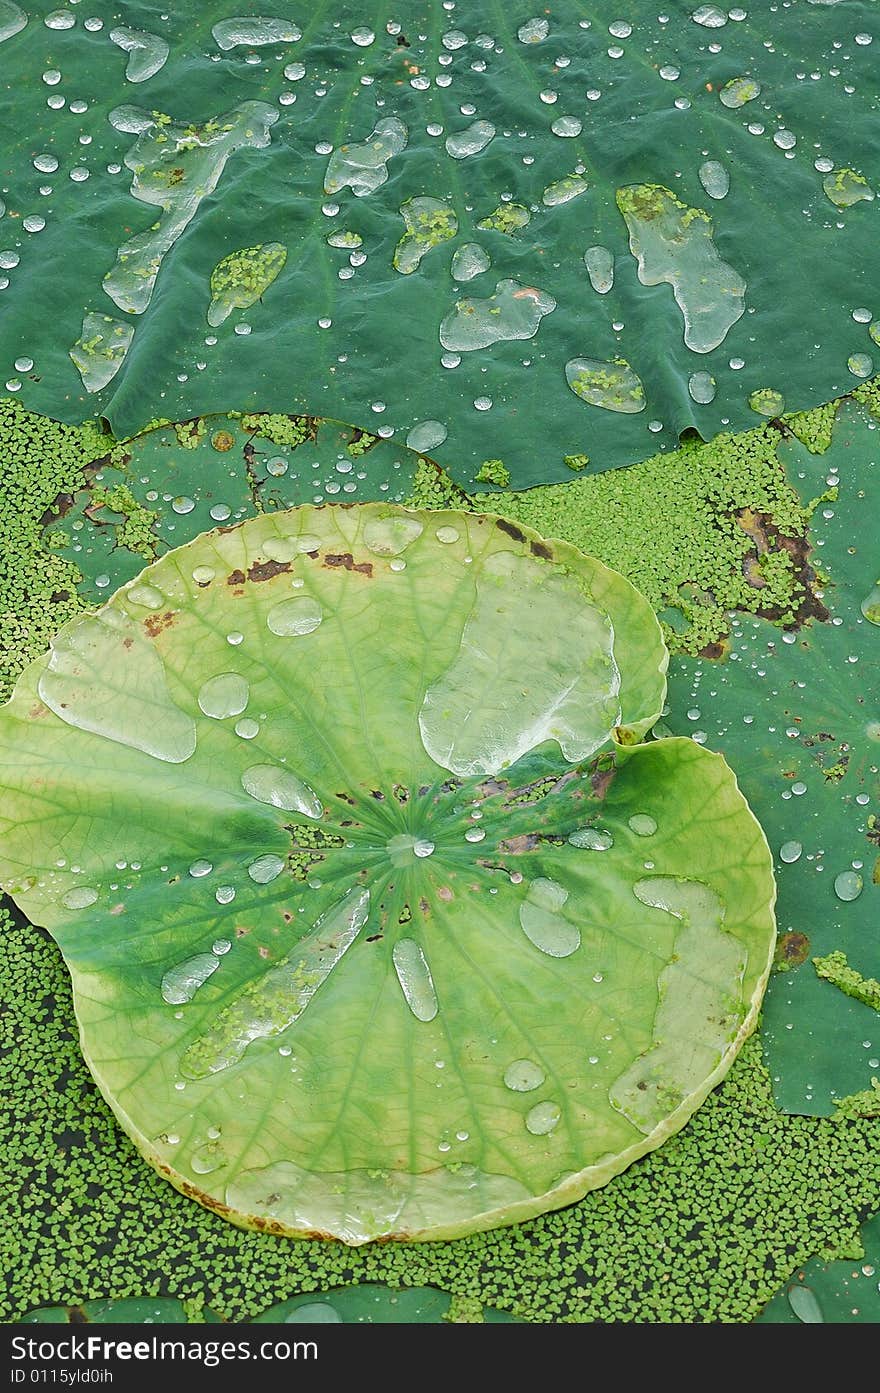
[599, 262]
[507, 218]
[296, 617]
[100, 349]
[146, 52]
[429, 222]
[242, 278]
[715, 179]
[767, 402]
[493, 471]
[835, 969]
[470, 141]
[846, 187]
[469, 260]
[612, 385]
[738, 91]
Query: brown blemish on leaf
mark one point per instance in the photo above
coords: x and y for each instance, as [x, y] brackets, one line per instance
[767, 537]
[522, 842]
[791, 950]
[235, 578]
[155, 623]
[445, 894]
[541, 549]
[490, 787]
[37, 710]
[716, 649]
[424, 906]
[347, 561]
[267, 570]
[511, 529]
[601, 780]
[127, 641]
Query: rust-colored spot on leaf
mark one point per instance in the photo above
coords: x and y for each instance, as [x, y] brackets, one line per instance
[235, 578]
[511, 529]
[347, 561]
[155, 623]
[791, 950]
[523, 841]
[541, 549]
[266, 570]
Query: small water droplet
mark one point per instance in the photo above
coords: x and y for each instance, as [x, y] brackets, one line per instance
[523, 1075]
[542, 1118]
[643, 825]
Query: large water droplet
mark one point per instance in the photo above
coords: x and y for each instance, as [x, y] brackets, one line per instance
[146, 52]
[599, 262]
[278, 787]
[592, 839]
[469, 260]
[790, 852]
[846, 187]
[225, 695]
[543, 1118]
[514, 311]
[805, 1305]
[254, 32]
[642, 824]
[710, 16]
[429, 222]
[80, 897]
[389, 536]
[470, 141]
[364, 168]
[523, 1075]
[541, 922]
[870, 605]
[611, 385]
[266, 868]
[534, 31]
[848, 885]
[715, 179]
[181, 983]
[296, 617]
[702, 387]
[426, 435]
[414, 976]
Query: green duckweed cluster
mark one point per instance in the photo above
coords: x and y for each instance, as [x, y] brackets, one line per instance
[707, 1228]
[719, 516]
[39, 460]
[493, 471]
[136, 532]
[835, 969]
[280, 429]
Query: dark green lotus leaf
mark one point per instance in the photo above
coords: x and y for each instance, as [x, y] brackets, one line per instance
[798, 716]
[164, 487]
[845, 1291]
[128, 1310]
[379, 922]
[442, 217]
[373, 1303]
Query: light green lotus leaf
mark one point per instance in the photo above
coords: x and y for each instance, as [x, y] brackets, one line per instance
[380, 921]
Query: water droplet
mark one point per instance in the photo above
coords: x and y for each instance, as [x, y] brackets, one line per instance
[669, 72]
[362, 37]
[429, 222]
[805, 1305]
[846, 187]
[200, 868]
[786, 140]
[414, 976]
[564, 190]
[203, 575]
[280, 788]
[523, 1075]
[702, 387]
[591, 838]
[146, 595]
[80, 897]
[266, 868]
[470, 260]
[207, 1158]
[599, 262]
[426, 435]
[860, 364]
[100, 349]
[710, 16]
[294, 618]
[225, 894]
[738, 91]
[870, 606]
[542, 923]
[389, 536]
[534, 31]
[642, 824]
[247, 728]
[715, 179]
[542, 1118]
[423, 848]
[471, 141]
[848, 885]
[146, 52]
[798, 789]
[447, 534]
[612, 385]
[254, 32]
[220, 947]
[224, 695]
[364, 168]
[23, 364]
[474, 834]
[767, 402]
[294, 72]
[181, 983]
[790, 852]
[567, 126]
